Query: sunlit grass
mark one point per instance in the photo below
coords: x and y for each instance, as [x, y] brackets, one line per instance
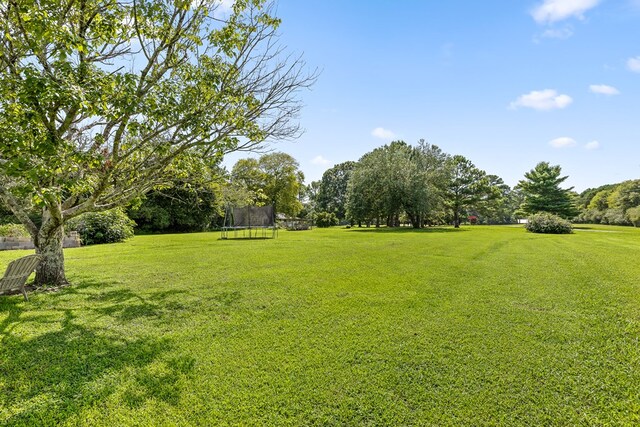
[481, 326]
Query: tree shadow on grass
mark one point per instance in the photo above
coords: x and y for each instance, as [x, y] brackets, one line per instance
[407, 230]
[54, 364]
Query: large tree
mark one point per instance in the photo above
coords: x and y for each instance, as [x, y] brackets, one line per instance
[249, 179]
[283, 182]
[541, 192]
[103, 100]
[274, 179]
[425, 180]
[375, 187]
[498, 205]
[332, 191]
[467, 187]
[396, 179]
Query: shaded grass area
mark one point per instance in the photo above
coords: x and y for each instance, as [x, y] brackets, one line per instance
[483, 326]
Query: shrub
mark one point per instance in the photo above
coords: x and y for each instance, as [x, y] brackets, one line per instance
[326, 219]
[13, 230]
[102, 227]
[614, 216]
[634, 215]
[545, 222]
[590, 216]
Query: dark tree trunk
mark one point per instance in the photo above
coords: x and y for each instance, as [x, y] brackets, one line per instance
[48, 244]
[456, 219]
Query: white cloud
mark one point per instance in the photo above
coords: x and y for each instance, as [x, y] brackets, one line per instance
[558, 10]
[319, 160]
[557, 33]
[634, 64]
[554, 33]
[547, 99]
[563, 142]
[604, 90]
[383, 133]
[593, 145]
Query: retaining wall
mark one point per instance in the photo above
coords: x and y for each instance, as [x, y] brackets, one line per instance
[11, 243]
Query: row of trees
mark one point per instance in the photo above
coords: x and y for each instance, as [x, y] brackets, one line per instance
[393, 184]
[611, 204]
[420, 185]
[198, 202]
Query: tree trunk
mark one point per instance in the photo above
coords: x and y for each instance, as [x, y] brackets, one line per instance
[48, 244]
[456, 219]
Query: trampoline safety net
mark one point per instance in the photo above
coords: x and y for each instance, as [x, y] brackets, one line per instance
[249, 222]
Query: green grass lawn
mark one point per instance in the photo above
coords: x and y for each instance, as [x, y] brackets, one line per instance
[481, 326]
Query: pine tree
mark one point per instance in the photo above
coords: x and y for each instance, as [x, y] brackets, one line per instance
[542, 193]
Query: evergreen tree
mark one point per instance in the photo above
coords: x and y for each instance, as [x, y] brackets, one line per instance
[542, 193]
[467, 186]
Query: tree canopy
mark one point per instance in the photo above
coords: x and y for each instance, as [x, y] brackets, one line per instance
[274, 179]
[398, 179]
[467, 186]
[611, 203]
[332, 189]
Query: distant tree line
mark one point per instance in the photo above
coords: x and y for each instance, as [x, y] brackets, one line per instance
[615, 204]
[198, 202]
[396, 184]
[417, 185]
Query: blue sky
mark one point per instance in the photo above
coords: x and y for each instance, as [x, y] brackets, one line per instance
[506, 84]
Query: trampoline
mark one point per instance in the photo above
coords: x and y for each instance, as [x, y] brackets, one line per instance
[249, 222]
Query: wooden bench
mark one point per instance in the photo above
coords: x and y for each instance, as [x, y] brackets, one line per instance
[18, 271]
